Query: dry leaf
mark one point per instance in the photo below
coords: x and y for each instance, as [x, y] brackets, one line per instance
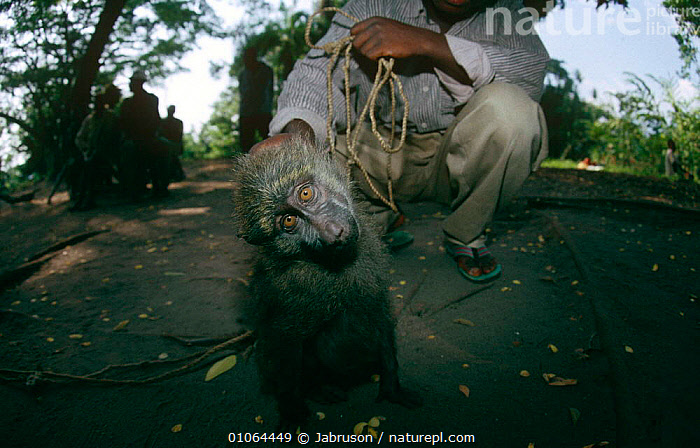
[373, 432]
[143, 316]
[121, 325]
[138, 266]
[558, 381]
[373, 422]
[553, 348]
[163, 356]
[220, 367]
[516, 282]
[466, 322]
[50, 339]
[629, 349]
[75, 336]
[320, 415]
[655, 267]
[548, 376]
[86, 344]
[597, 445]
[259, 420]
[357, 430]
[464, 389]
[524, 373]
[176, 428]
[530, 445]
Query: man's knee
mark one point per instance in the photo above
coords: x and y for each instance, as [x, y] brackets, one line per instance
[509, 110]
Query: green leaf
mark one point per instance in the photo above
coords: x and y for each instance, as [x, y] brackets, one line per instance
[220, 367]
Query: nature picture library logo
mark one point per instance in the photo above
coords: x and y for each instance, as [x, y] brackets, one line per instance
[652, 19]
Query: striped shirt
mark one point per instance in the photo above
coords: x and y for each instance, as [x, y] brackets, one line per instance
[487, 45]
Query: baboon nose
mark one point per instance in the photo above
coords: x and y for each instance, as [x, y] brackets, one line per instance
[334, 233]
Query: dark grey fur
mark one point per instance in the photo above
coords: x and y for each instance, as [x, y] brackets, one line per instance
[324, 318]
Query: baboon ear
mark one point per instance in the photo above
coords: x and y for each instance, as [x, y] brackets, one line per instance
[272, 142]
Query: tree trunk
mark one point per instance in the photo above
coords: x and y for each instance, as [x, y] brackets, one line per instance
[90, 62]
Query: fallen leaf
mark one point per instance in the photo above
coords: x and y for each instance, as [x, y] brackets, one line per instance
[320, 415]
[373, 432]
[464, 389]
[597, 444]
[530, 445]
[524, 373]
[553, 348]
[259, 420]
[15, 303]
[432, 336]
[75, 336]
[357, 430]
[220, 367]
[575, 415]
[138, 266]
[163, 356]
[516, 282]
[50, 339]
[466, 322]
[121, 325]
[629, 349]
[655, 267]
[152, 249]
[143, 316]
[373, 422]
[548, 376]
[557, 381]
[375, 378]
[176, 428]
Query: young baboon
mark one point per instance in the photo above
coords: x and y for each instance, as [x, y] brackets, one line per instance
[320, 283]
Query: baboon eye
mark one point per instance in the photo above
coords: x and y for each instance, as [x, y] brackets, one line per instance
[306, 194]
[289, 222]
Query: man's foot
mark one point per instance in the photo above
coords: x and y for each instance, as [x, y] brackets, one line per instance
[475, 263]
[397, 239]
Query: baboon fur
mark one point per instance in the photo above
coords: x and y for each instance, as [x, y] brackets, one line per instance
[324, 321]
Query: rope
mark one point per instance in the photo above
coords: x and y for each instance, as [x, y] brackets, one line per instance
[384, 75]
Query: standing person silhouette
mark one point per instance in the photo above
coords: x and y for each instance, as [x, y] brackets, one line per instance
[143, 157]
[171, 128]
[255, 84]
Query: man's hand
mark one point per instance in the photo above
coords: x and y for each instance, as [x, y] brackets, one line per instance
[378, 37]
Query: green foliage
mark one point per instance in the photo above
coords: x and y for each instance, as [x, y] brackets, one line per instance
[568, 116]
[279, 38]
[42, 41]
[687, 15]
[634, 131]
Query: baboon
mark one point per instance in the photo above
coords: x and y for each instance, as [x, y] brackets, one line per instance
[324, 321]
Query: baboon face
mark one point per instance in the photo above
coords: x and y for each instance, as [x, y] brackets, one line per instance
[294, 200]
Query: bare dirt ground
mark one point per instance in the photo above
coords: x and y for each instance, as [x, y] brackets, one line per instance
[589, 336]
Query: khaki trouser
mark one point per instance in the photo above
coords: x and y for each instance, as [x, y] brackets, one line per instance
[477, 165]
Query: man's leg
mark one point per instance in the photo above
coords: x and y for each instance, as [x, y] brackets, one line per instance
[496, 141]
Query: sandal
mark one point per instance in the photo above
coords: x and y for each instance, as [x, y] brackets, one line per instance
[397, 239]
[476, 264]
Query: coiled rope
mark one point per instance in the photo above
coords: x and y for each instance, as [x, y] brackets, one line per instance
[384, 75]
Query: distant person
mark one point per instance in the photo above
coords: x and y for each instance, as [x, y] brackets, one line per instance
[143, 156]
[98, 140]
[255, 84]
[171, 129]
[672, 164]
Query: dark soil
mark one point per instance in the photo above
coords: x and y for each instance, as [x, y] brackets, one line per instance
[599, 288]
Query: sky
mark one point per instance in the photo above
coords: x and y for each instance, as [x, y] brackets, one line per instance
[602, 44]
